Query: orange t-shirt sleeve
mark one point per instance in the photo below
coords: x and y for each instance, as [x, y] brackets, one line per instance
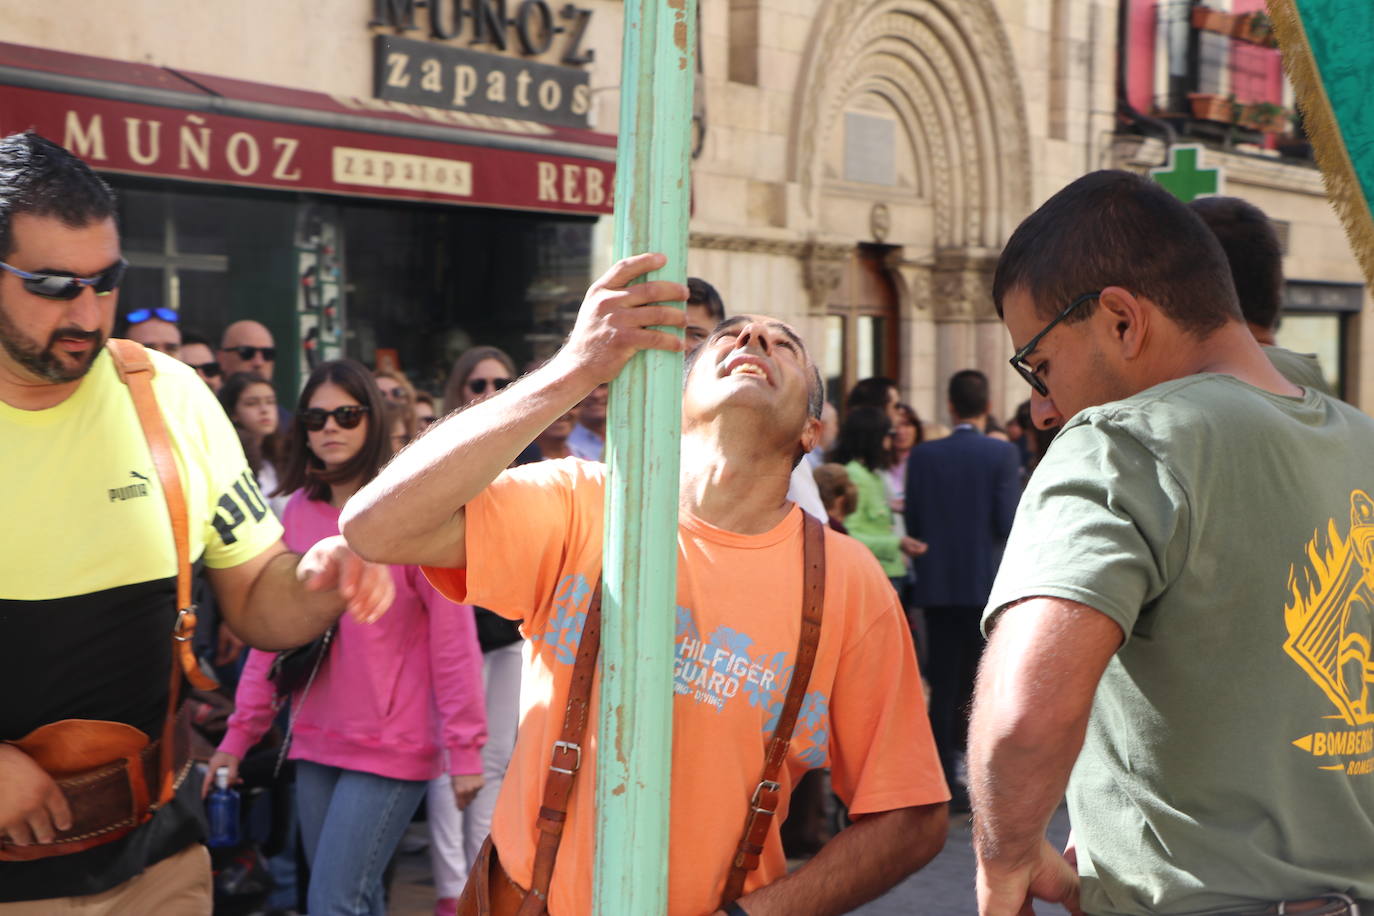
[883, 755]
[520, 531]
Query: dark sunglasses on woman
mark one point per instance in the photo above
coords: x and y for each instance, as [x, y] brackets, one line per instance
[479, 385]
[348, 417]
[64, 287]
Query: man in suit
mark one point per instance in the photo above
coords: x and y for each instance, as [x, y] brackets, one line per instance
[961, 495]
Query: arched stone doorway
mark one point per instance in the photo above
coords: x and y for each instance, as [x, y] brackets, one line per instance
[940, 73]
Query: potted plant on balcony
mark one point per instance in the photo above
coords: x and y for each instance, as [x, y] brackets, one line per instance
[1208, 106]
[1210, 20]
[1265, 117]
[1256, 28]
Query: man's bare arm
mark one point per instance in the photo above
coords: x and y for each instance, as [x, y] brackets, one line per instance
[1034, 694]
[280, 599]
[413, 511]
[863, 862]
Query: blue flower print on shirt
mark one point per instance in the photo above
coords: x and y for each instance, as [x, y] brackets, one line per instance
[567, 617]
[768, 693]
[686, 625]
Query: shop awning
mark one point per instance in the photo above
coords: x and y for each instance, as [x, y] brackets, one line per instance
[139, 119]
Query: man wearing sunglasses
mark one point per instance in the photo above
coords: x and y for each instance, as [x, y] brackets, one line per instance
[247, 346]
[88, 573]
[1182, 616]
[197, 353]
[527, 544]
[156, 329]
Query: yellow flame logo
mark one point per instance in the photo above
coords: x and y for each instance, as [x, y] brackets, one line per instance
[1332, 614]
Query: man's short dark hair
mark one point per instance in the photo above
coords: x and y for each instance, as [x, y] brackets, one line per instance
[968, 394]
[1114, 228]
[41, 178]
[701, 293]
[870, 392]
[1253, 250]
[190, 338]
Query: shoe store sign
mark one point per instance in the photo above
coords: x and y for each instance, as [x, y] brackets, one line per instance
[138, 139]
[443, 73]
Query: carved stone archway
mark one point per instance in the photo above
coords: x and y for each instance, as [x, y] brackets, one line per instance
[946, 67]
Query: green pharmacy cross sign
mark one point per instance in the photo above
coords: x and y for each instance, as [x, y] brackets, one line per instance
[1182, 177]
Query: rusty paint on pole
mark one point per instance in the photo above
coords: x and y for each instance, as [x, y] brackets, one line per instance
[653, 192]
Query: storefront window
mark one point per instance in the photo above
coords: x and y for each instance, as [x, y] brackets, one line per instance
[430, 282]
[1315, 319]
[178, 250]
[424, 281]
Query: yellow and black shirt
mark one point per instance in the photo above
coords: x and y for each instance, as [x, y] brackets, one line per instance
[88, 579]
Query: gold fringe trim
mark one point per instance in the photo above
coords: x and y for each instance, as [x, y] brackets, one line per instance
[1319, 120]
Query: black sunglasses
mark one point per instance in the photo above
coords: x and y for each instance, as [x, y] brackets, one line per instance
[209, 370]
[348, 417]
[479, 385]
[64, 287]
[1018, 360]
[247, 353]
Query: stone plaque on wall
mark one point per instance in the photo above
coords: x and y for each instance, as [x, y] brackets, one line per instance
[870, 149]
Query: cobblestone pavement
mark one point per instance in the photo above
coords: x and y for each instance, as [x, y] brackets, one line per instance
[942, 888]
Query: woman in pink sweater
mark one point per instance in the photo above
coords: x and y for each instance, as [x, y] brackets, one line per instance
[393, 703]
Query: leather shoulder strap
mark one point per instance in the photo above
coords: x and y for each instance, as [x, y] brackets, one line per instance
[565, 763]
[135, 369]
[763, 805]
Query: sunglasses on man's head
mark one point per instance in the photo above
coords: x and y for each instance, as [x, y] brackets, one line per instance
[65, 287]
[348, 417]
[138, 316]
[209, 370]
[479, 385]
[247, 353]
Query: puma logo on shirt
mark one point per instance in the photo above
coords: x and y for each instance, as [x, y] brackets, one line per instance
[132, 491]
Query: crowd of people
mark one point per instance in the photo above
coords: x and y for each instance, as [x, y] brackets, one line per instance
[1066, 589]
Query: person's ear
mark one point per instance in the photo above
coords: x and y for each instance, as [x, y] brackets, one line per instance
[1127, 319]
[811, 434]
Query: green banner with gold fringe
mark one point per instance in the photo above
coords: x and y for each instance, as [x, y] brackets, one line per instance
[1328, 49]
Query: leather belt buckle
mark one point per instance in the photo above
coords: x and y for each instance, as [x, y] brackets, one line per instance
[567, 746]
[178, 632]
[765, 785]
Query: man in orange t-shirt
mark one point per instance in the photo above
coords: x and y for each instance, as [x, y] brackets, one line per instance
[527, 543]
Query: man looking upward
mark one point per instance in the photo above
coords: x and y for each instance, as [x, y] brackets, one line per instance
[527, 544]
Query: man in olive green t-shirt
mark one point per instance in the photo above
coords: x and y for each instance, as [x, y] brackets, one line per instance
[1183, 614]
[1255, 258]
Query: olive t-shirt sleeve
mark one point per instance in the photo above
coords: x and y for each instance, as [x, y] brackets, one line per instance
[1103, 523]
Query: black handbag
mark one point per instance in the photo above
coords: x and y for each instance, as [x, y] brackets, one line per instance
[293, 669]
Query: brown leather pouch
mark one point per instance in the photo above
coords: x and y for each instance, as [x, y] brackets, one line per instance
[489, 891]
[108, 772]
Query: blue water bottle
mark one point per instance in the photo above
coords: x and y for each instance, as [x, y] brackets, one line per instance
[222, 808]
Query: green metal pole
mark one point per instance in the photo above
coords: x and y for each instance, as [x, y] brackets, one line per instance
[644, 428]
